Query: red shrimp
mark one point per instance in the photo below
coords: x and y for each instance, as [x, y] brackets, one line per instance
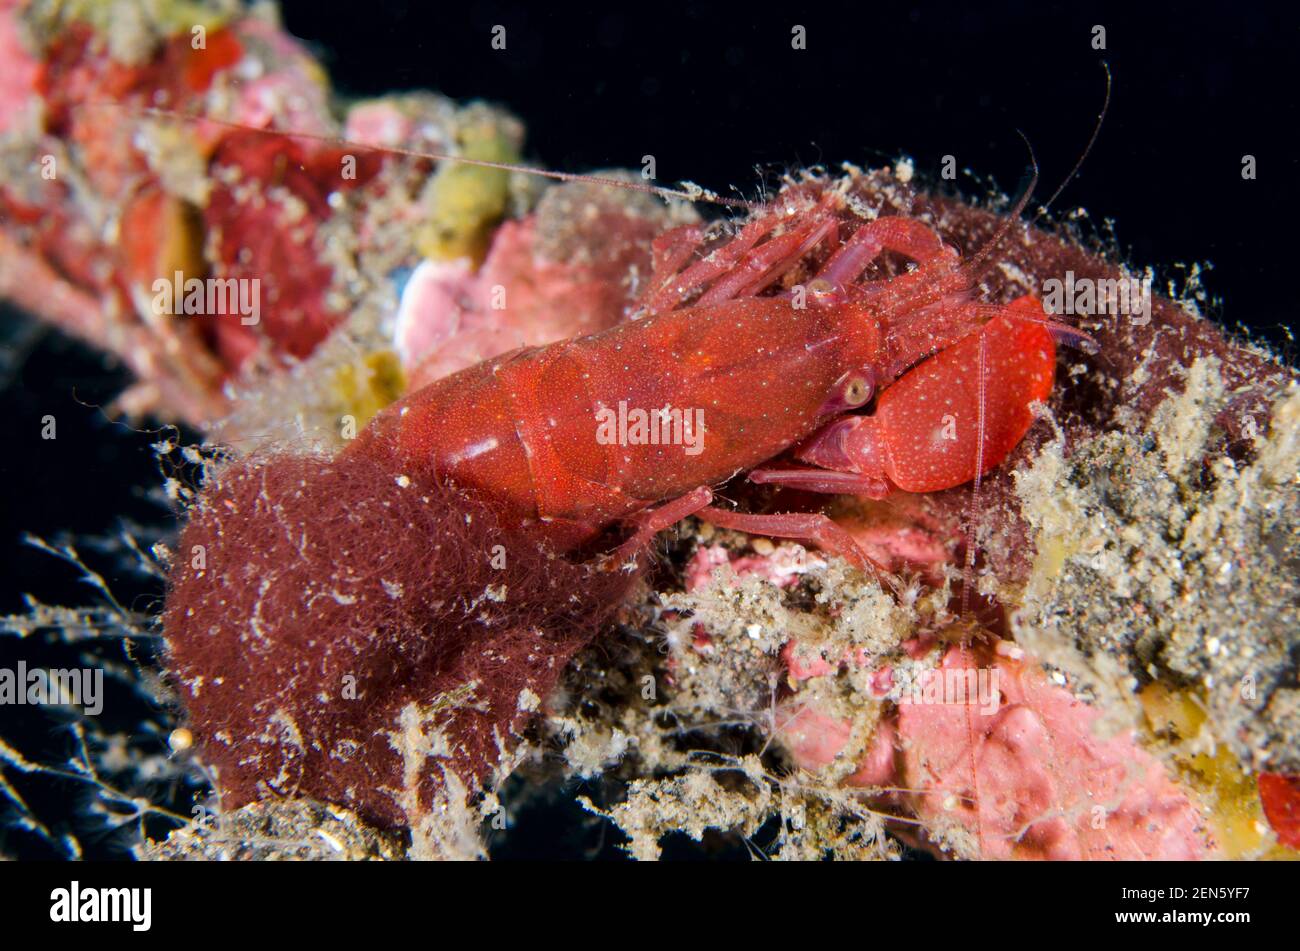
[763, 373]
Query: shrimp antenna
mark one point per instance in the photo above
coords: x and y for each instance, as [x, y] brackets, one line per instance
[692, 194]
[978, 259]
[1092, 140]
[1013, 216]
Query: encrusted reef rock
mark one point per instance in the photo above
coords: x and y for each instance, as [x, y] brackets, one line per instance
[278, 830]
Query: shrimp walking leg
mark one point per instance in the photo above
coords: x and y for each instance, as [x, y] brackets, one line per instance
[827, 481]
[648, 524]
[905, 236]
[805, 527]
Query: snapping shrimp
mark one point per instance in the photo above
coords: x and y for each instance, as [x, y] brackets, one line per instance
[766, 375]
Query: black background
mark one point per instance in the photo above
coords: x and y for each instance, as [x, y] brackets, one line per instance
[719, 97]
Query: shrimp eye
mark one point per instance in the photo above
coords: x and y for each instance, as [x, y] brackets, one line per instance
[857, 390]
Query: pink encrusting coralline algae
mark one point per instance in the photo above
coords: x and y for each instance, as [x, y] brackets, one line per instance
[1015, 767]
[544, 279]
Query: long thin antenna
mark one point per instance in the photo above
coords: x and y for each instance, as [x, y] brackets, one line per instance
[1013, 216]
[1092, 140]
[691, 195]
[968, 570]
